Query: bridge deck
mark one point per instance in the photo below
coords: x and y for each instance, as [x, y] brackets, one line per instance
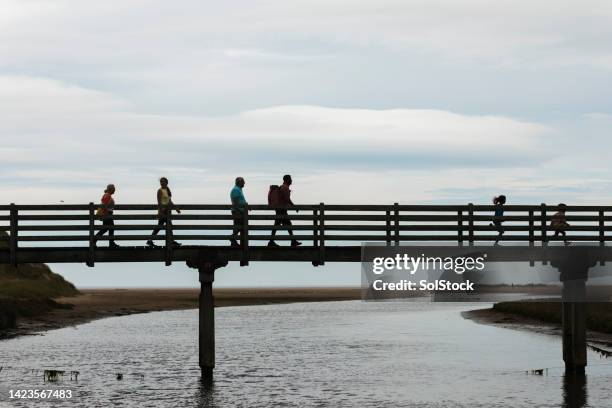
[288, 254]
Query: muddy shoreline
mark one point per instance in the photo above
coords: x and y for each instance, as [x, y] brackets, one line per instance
[512, 321]
[94, 304]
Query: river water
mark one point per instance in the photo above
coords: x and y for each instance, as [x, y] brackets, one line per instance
[354, 354]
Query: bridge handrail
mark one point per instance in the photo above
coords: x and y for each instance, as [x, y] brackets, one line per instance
[328, 207]
[320, 223]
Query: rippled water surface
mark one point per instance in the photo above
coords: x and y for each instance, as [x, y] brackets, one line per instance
[412, 354]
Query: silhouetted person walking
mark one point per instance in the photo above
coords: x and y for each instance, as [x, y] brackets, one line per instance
[164, 207]
[284, 200]
[105, 211]
[559, 223]
[239, 206]
[499, 202]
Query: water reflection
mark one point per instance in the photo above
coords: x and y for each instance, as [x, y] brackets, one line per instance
[205, 392]
[574, 390]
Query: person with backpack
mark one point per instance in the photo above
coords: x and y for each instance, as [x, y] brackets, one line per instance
[105, 212]
[499, 202]
[239, 206]
[559, 223]
[164, 207]
[281, 197]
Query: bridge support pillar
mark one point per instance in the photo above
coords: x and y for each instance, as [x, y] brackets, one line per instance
[574, 274]
[207, 320]
[574, 326]
[206, 336]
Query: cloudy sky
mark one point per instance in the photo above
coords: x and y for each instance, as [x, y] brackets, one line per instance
[377, 101]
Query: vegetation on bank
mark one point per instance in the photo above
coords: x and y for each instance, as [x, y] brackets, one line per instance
[598, 315]
[27, 290]
[33, 281]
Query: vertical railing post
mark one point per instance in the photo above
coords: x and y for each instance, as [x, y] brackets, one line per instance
[396, 219]
[531, 229]
[471, 223]
[321, 234]
[388, 226]
[531, 233]
[169, 236]
[244, 237]
[13, 243]
[460, 227]
[602, 240]
[92, 238]
[315, 227]
[543, 223]
[543, 227]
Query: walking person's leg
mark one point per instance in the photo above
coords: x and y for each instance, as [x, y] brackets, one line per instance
[107, 223]
[160, 222]
[287, 222]
[101, 231]
[277, 222]
[111, 233]
[500, 230]
[565, 241]
[237, 216]
[168, 222]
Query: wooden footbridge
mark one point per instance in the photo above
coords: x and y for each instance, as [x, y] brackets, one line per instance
[329, 233]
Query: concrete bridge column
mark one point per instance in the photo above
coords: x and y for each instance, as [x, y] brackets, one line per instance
[574, 274]
[207, 320]
[206, 337]
[574, 326]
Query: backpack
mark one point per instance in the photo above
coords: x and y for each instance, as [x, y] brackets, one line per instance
[274, 196]
[100, 212]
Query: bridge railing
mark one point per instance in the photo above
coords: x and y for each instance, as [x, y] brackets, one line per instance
[319, 225]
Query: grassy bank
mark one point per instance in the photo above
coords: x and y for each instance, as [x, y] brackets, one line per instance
[598, 315]
[33, 281]
[27, 291]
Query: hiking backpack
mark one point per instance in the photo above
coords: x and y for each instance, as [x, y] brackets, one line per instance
[274, 196]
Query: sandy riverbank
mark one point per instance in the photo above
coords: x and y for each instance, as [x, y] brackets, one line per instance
[99, 303]
[519, 322]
